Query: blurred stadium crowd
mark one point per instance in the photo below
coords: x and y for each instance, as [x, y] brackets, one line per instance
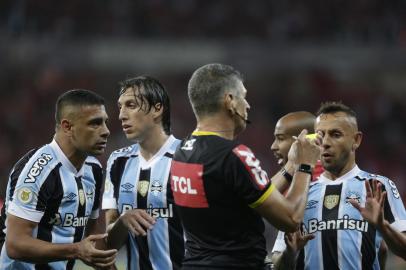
[279, 21]
[352, 51]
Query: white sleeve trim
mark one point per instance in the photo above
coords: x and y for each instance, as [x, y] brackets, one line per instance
[399, 225]
[280, 244]
[109, 203]
[25, 213]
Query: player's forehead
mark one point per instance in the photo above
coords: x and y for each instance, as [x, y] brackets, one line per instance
[129, 94]
[283, 127]
[89, 112]
[335, 121]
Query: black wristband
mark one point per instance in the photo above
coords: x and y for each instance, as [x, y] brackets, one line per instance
[287, 175]
[306, 168]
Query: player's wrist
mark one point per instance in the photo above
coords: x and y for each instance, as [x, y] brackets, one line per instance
[305, 168]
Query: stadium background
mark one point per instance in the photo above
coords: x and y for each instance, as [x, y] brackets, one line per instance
[294, 54]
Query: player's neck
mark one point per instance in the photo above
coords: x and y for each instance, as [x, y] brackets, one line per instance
[333, 175]
[152, 143]
[77, 158]
[219, 124]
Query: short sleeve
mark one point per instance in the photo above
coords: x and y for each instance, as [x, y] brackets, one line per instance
[30, 198]
[109, 201]
[394, 209]
[246, 177]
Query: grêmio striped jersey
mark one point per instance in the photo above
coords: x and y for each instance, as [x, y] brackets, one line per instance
[131, 183]
[343, 239]
[44, 187]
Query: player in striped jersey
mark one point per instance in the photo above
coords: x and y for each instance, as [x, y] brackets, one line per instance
[53, 193]
[138, 194]
[286, 128]
[343, 239]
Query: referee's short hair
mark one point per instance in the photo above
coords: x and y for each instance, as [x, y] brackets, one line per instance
[208, 84]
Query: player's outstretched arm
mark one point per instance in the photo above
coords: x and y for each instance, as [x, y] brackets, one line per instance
[137, 221]
[22, 246]
[373, 212]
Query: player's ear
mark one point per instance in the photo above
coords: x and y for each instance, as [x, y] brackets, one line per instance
[66, 126]
[157, 110]
[357, 140]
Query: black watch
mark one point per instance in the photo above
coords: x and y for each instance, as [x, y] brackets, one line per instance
[306, 168]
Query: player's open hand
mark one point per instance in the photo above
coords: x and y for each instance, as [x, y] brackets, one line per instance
[373, 210]
[138, 221]
[297, 240]
[90, 255]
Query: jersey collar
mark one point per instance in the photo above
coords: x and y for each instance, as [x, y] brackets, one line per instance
[351, 174]
[64, 160]
[164, 148]
[204, 133]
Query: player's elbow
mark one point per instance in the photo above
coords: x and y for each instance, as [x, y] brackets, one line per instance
[13, 250]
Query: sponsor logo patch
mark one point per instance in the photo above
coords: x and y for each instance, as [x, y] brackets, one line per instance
[187, 185]
[252, 164]
[25, 195]
[37, 168]
[188, 145]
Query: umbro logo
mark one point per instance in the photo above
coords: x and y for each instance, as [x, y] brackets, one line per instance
[127, 187]
[311, 204]
[71, 196]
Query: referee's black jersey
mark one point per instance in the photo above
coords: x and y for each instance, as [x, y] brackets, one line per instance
[216, 183]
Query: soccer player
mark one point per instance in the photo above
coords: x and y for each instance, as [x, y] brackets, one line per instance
[138, 195]
[286, 128]
[53, 193]
[219, 188]
[343, 239]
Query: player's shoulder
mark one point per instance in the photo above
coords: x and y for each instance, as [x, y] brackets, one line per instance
[39, 163]
[127, 151]
[367, 176]
[171, 145]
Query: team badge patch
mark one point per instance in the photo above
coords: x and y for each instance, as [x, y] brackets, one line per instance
[143, 187]
[352, 195]
[25, 195]
[331, 201]
[81, 197]
[156, 188]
